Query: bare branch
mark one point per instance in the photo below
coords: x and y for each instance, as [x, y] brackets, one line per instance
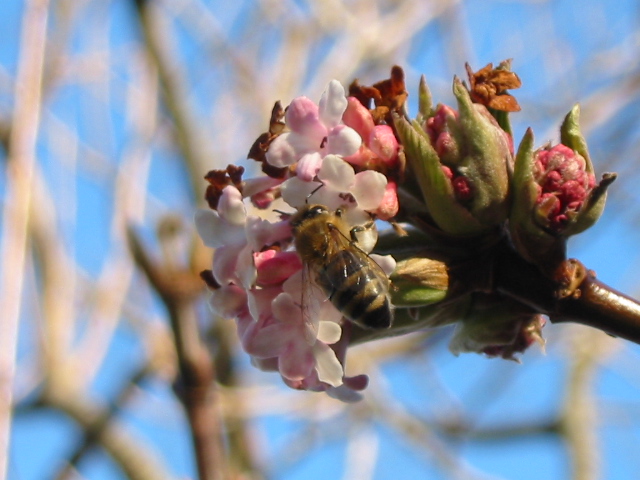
[22, 144]
[178, 290]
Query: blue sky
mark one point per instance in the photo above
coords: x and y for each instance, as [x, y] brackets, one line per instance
[564, 53]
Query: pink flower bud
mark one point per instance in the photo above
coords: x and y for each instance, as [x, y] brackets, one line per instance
[383, 143]
[389, 205]
[564, 184]
[274, 266]
[358, 117]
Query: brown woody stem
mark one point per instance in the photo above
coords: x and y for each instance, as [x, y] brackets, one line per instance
[593, 303]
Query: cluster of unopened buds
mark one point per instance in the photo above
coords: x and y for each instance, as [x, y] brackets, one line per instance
[307, 283]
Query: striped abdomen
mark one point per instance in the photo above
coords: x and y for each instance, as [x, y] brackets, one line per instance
[357, 287]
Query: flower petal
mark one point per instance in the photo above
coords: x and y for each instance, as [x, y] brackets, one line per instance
[329, 332]
[343, 141]
[308, 166]
[281, 152]
[228, 301]
[386, 262]
[384, 143]
[225, 260]
[296, 191]
[336, 174]
[302, 117]
[253, 186]
[265, 341]
[297, 361]
[261, 232]
[215, 231]
[333, 103]
[274, 267]
[327, 365]
[246, 269]
[358, 117]
[231, 207]
[369, 189]
[389, 205]
[287, 311]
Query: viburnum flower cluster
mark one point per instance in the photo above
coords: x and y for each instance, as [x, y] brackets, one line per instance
[447, 181]
[258, 275]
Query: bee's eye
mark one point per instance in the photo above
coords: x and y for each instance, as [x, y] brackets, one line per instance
[315, 211]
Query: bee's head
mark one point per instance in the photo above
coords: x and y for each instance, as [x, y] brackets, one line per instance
[307, 212]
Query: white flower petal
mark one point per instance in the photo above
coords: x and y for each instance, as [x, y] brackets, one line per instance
[343, 141]
[327, 365]
[368, 189]
[344, 394]
[246, 268]
[296, 191]
[260, 232]
[281, 153]
[386, 262]
[285, 308]
[329, 332]
[336, 174]
[228, 301]
[308, 166]
[225, 262]
[296, 362]
[259, 184]
[231, 206]
[215, 231]
[333, 103]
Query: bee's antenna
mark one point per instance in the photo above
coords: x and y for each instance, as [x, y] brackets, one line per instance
[281, 212]
[306, 200]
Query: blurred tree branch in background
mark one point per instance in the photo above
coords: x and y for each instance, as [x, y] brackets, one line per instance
[110, 118]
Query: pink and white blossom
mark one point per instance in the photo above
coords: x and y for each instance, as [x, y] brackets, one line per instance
[284, 321]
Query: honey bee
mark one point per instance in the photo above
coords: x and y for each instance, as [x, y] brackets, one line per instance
[353, 281]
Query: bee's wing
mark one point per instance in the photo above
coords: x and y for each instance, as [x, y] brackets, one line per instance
[349, 269]
[355, 257]
[314, 301]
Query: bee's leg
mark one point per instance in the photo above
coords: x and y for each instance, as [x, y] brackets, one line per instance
[361, 228]
[354, 232]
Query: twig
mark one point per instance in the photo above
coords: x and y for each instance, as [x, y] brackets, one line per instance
[594, 304]
[178, 291]
[24, 132]
[577, 423]
[189, 142]
[94, 431]
[129, 452]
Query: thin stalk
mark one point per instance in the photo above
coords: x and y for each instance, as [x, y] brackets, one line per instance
[15, 223]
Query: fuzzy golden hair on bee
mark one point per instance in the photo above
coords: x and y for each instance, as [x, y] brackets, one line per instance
[354, 283]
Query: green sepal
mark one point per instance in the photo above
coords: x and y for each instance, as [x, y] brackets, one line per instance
[436, 188]
[486, 160]
[593, 207]
[419, 281]
[571, 136]
[425, 101]
[532, 241]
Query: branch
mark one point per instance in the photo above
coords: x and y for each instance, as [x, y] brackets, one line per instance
[179, 291]
[101, 423]
[591, 302]
[189, 142]
[15, 215]
[137, 462]
[578, 418]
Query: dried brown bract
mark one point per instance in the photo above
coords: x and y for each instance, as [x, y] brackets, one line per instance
[259, 148]
[488, 86]
[218, 180]
[388, 95]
